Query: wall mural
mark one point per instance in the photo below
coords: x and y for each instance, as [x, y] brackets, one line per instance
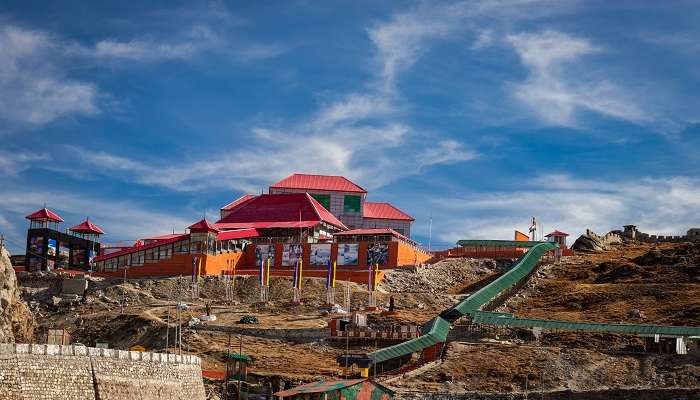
[36, 245]
[52, 247]
[320, 254]
[263, 251]
[347, 254]
[377, 253]
[291, 253]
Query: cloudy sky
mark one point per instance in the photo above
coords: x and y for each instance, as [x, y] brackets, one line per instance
[479, 114]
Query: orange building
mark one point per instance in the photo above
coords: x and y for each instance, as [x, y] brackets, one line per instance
[280, 229]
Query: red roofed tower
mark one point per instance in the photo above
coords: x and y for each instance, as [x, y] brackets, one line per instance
[558, 237]
[203, 237]
[44, 218]
[87, 230]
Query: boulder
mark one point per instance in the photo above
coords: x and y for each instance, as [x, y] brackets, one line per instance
[589, 241]
[16, 321]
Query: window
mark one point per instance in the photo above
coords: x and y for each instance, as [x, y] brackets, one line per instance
[351, 203]
[324, 199]
[182, 246]
[138, 258]
[165, 252]
[151, 255]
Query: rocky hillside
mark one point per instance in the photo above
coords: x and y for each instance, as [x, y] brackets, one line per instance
[16, 321]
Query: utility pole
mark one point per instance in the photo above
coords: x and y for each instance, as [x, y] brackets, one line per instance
[430, 232]
[179, 315]
[2, 242]
[167, 331]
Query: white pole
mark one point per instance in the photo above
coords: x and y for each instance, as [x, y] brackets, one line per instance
[430, 232]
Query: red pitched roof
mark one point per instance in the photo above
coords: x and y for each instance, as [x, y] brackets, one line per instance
[556, 233]
[237, 202]
[203, 225]
[374, 210]
[318, 182]
[372, 231]
[87, 227]
[44, 213]
[279, 211]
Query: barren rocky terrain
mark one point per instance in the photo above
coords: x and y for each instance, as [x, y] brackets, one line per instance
[625, 283]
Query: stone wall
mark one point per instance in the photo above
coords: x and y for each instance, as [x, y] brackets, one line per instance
[29, 372]
[631, 232]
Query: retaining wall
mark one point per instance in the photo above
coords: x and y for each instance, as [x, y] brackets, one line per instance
[29, 372]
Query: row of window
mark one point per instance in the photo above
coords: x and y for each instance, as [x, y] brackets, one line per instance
[351, 203]
[165, 252]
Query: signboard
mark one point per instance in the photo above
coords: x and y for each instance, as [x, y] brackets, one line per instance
[36, 245]
[263, 252]
[320, 254]
[52, 248]
[347, 253]
[79, 256]
[63, 254]
[377, 253]
[291, 253]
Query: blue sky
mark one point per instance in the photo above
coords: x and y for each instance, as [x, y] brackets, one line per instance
[480, 114]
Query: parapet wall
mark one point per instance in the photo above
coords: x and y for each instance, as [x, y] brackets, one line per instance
[631, 232]
[29, 372]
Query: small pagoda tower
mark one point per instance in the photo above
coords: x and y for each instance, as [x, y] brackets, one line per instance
[87, 230]
[203, 236]
[44, 218]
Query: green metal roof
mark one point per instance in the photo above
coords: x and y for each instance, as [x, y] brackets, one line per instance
[496, 243]
[236, 356]
[502, 320]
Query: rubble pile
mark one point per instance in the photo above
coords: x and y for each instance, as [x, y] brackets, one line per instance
[440, 277]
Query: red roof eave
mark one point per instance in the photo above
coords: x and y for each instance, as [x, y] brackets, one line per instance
[238, 234]
[266, 225]
[144, 247]
[373, 231]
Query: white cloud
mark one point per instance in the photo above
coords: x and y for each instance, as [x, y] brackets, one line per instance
[12, 163]
[556, 90]
[140, 50]
[121, 220]
[377, 155]
[665, 206]
[33, 90]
